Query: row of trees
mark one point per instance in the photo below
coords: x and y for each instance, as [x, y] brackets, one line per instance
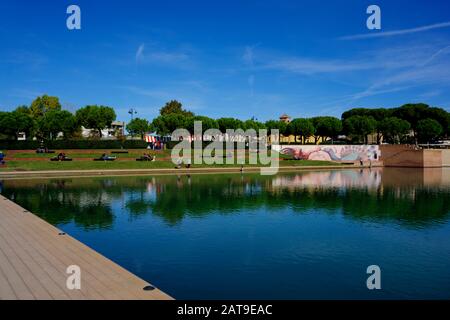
[45, 119]
[418, 122]
[173, 116]
[408, 123]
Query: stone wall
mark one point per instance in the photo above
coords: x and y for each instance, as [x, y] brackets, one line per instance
[446, 158]
[408, 156]
[390, 155]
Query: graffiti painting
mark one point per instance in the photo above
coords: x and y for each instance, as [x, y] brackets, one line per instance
[332, 153]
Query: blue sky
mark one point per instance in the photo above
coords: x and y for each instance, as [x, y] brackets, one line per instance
[226, 58]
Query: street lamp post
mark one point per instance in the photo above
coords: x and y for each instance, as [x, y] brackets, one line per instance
[132, 112]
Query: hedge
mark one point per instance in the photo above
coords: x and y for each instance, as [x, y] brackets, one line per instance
[96, 144]
[72, 144]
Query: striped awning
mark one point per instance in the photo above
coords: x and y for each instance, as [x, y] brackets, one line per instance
[152, 138]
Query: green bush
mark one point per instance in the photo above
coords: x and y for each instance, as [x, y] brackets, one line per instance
[18, 145]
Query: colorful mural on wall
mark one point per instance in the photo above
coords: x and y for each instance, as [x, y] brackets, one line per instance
[330, 152]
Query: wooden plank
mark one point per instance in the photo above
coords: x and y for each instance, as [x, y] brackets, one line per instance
[21, 290]
[96, 271]
[94, 275]
[50, 248]
[45, 271]
[6, 291]
[21, 262]
[55, 258]
[34, 258]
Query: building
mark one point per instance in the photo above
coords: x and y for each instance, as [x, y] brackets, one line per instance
[296, 139]
[285, 118]
[117, 129]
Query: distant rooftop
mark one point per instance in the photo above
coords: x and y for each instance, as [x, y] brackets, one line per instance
[285, 118]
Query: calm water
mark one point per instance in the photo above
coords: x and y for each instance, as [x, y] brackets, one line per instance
[292, 236]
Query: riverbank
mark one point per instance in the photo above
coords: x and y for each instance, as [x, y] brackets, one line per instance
[16, 165]
[27, 164]
[167, 171]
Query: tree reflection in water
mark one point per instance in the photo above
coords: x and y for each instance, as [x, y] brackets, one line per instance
[412, 198]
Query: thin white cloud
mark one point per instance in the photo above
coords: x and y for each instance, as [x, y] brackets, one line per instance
[436, 54]
[381, 59]
[249, 60]
[251, 83]
[406, 68]
[174, 58]
[248, 55]
[312, 66]
[167, 57]
[159, 94]
[372, 92]
[396, 32]
[140, 52]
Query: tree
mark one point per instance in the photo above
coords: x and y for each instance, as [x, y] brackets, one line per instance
[168, 123]
[281, 126]
[207, 123]
[7, 125]
[428, 129]
[326, 127]
[379, 114]
[26, 122]
[253, 124]
[360, 127]
[376, 113]
[441, 116]
[138, 126]
[229, 123]
[96, 117]
[55, 122]
[393, 129]
[41, 105]
[301, 127]
[174, 106]
[413, 113]
[355, 112]
[13, 123]
[24, 109]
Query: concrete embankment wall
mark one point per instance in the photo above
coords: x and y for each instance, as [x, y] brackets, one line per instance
[390, 155]
[407, 156]
[446, 158]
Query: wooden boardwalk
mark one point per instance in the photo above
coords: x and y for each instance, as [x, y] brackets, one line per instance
[34, 257]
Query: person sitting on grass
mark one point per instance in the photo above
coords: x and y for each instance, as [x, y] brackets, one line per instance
[106, 157]
[147, 157]
[61, 157]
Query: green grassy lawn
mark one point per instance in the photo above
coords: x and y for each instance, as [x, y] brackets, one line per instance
[31, 161]
[15, 165]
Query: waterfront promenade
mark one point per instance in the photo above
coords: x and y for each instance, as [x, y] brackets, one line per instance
[34, 257]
